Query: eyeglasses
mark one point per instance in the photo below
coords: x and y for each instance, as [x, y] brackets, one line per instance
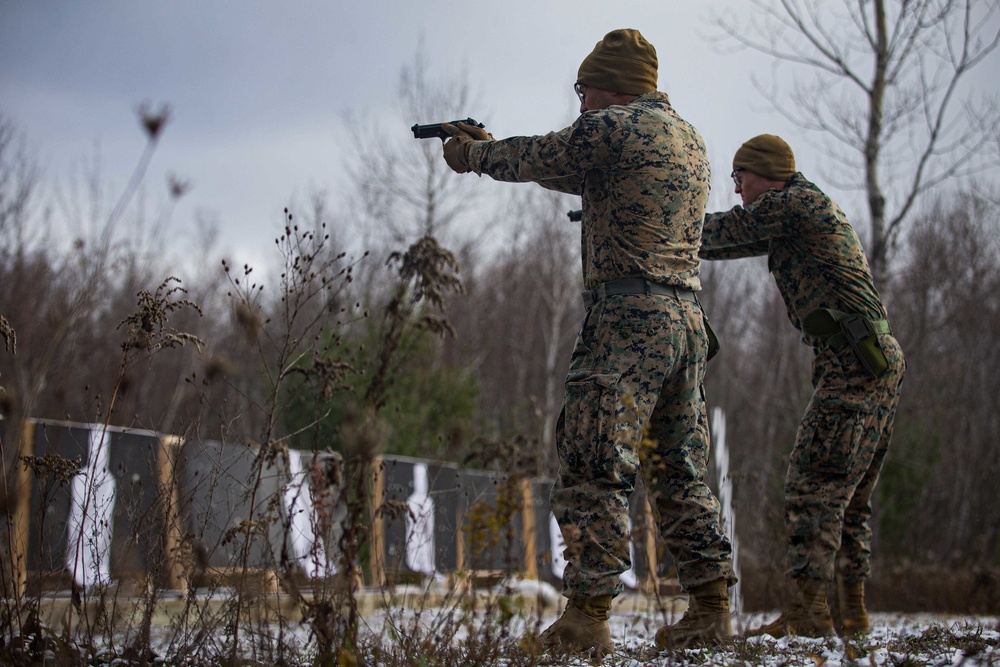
[581, 90]
[737, 176]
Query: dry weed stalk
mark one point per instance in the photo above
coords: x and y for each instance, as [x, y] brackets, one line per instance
[287, 344]
[8, 335]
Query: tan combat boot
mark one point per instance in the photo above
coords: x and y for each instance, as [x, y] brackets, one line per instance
[706, 621]
[853, 615]
[583, 628]
[808, 616]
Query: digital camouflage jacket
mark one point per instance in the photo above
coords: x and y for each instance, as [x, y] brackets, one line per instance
[812, 250]
[643, 173]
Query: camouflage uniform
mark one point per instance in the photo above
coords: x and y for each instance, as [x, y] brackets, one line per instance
[639, 360]
[818, 262]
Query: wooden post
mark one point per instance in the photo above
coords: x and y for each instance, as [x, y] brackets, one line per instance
[20, 504]
[166, 458]
[376, 556]
[528, 520]
[461, 559]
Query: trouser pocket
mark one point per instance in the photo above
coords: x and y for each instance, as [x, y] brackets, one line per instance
[591, 404]
[834, 441]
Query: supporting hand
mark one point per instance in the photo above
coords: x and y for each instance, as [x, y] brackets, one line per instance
[456, 152]
[456, 149]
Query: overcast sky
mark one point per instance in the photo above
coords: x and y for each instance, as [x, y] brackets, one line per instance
[259, 90]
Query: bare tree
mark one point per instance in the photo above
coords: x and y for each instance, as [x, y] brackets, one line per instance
[888, 88]
[401, 185]
[18, 186]
[57, 299]
[516, 325]
[950, 316]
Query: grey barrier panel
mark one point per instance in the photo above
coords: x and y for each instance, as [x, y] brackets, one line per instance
[443, 490]
[138, 545]
[332, 464]
[542, 488]
[666, 566]
[48, 532]
[637, 513]
[540, 491]
[493, 532]
[137, 524]
[324, 476]
[219, 490]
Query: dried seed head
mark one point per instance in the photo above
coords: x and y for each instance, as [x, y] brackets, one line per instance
[8, 335]
[219, 367]
[364, 436]
[248, 319]
[177, 187]
[152, 121]
[6, 402]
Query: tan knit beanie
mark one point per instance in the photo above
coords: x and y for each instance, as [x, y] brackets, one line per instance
[767, 155]
[622, 62]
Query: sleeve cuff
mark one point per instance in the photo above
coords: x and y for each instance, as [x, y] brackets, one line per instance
[474, 156]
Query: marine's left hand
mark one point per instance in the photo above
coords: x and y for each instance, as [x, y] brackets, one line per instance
[456, 149]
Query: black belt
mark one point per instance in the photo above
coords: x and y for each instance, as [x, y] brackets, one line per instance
[636, 286]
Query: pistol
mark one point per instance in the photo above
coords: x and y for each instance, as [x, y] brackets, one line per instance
[435, 130]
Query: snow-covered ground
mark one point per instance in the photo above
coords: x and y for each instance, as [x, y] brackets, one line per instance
[488, 630]
[896, 640]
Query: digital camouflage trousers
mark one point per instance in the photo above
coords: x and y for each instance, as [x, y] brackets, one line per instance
[835, 464]
[634, 394]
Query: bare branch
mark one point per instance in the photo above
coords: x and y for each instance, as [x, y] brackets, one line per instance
[910, 116]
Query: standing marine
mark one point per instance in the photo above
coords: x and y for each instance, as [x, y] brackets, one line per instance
[824, 279]
[633, 393]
